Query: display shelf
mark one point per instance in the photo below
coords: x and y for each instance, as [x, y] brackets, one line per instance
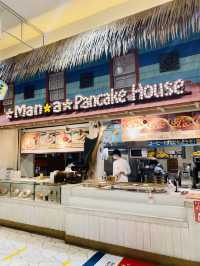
[31, 190]
[51, 193]
[5, 189]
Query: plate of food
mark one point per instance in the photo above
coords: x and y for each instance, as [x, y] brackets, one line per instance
[197, 120]
[63, 138]
[3, 191]
[133, 122]
[183, 123]
[157, 124]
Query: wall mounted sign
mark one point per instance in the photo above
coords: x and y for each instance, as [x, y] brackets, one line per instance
[172, 143]
[137, 94]
[59, 139]
[3, 90]
[165, 127]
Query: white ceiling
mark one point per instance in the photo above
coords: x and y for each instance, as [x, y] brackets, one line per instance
[28, 9]
[60, 19]
[32, 8]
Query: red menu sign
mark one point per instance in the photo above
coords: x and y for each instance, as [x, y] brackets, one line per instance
[130, 262]
[197, 211]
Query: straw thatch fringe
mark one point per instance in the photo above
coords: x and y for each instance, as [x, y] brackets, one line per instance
[149, 29]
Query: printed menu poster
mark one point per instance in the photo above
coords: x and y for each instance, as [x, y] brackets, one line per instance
[144, 128]
[55, 140]
[197, 211]
[113, 133]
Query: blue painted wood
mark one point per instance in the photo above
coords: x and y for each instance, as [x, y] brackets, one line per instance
[101, 80]
[185, 49]
[39, 82]
[149, 72]
[189, 70]
[102, 61]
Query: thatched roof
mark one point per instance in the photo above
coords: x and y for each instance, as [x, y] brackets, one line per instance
[149, 29]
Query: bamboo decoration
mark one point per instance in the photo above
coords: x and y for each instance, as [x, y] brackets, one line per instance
[149, 29]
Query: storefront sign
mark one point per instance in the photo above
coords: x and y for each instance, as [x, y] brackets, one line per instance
[114, 97]
[157, 91]
[197, 211]
[3, 90]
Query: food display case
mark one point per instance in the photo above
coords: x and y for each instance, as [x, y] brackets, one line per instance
[51, 193]
[5, 189]
[22, 190]
[31, 190]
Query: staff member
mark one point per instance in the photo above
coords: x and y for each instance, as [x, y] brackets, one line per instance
[121, 167]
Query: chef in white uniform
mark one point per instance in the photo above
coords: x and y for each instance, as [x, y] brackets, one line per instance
[121, 167]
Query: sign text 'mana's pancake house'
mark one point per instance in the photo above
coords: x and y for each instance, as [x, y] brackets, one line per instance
[137, 94]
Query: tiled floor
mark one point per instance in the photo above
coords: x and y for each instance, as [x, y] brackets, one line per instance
[19, 248]
[24, 249]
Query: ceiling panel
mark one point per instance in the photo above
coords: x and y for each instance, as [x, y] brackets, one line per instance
[60, 19]
[33, 8]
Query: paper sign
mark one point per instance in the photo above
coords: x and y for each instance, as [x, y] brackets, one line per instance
[109, 260]
[197, 211]
[130, 262]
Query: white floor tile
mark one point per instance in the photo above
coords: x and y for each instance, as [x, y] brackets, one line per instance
[19, 248]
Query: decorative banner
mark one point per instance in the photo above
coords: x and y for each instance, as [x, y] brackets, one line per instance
[54, 140]
[144, 128]
[136, 94]
[197, 211]
[3, 90]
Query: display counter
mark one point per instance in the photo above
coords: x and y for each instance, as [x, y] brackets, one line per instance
[158, 223]
[30, 189]
[135, 224]
[32, 205]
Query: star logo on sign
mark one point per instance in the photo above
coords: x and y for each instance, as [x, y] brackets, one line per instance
[47, 108]
[67, 105]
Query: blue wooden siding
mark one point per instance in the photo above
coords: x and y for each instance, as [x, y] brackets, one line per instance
[149, 73]
[184, 49]
[101, 80]
[189, 53]
[189, 70]
[39, 82]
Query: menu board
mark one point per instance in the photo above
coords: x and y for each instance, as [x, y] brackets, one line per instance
[54, 140]
[144, 128]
